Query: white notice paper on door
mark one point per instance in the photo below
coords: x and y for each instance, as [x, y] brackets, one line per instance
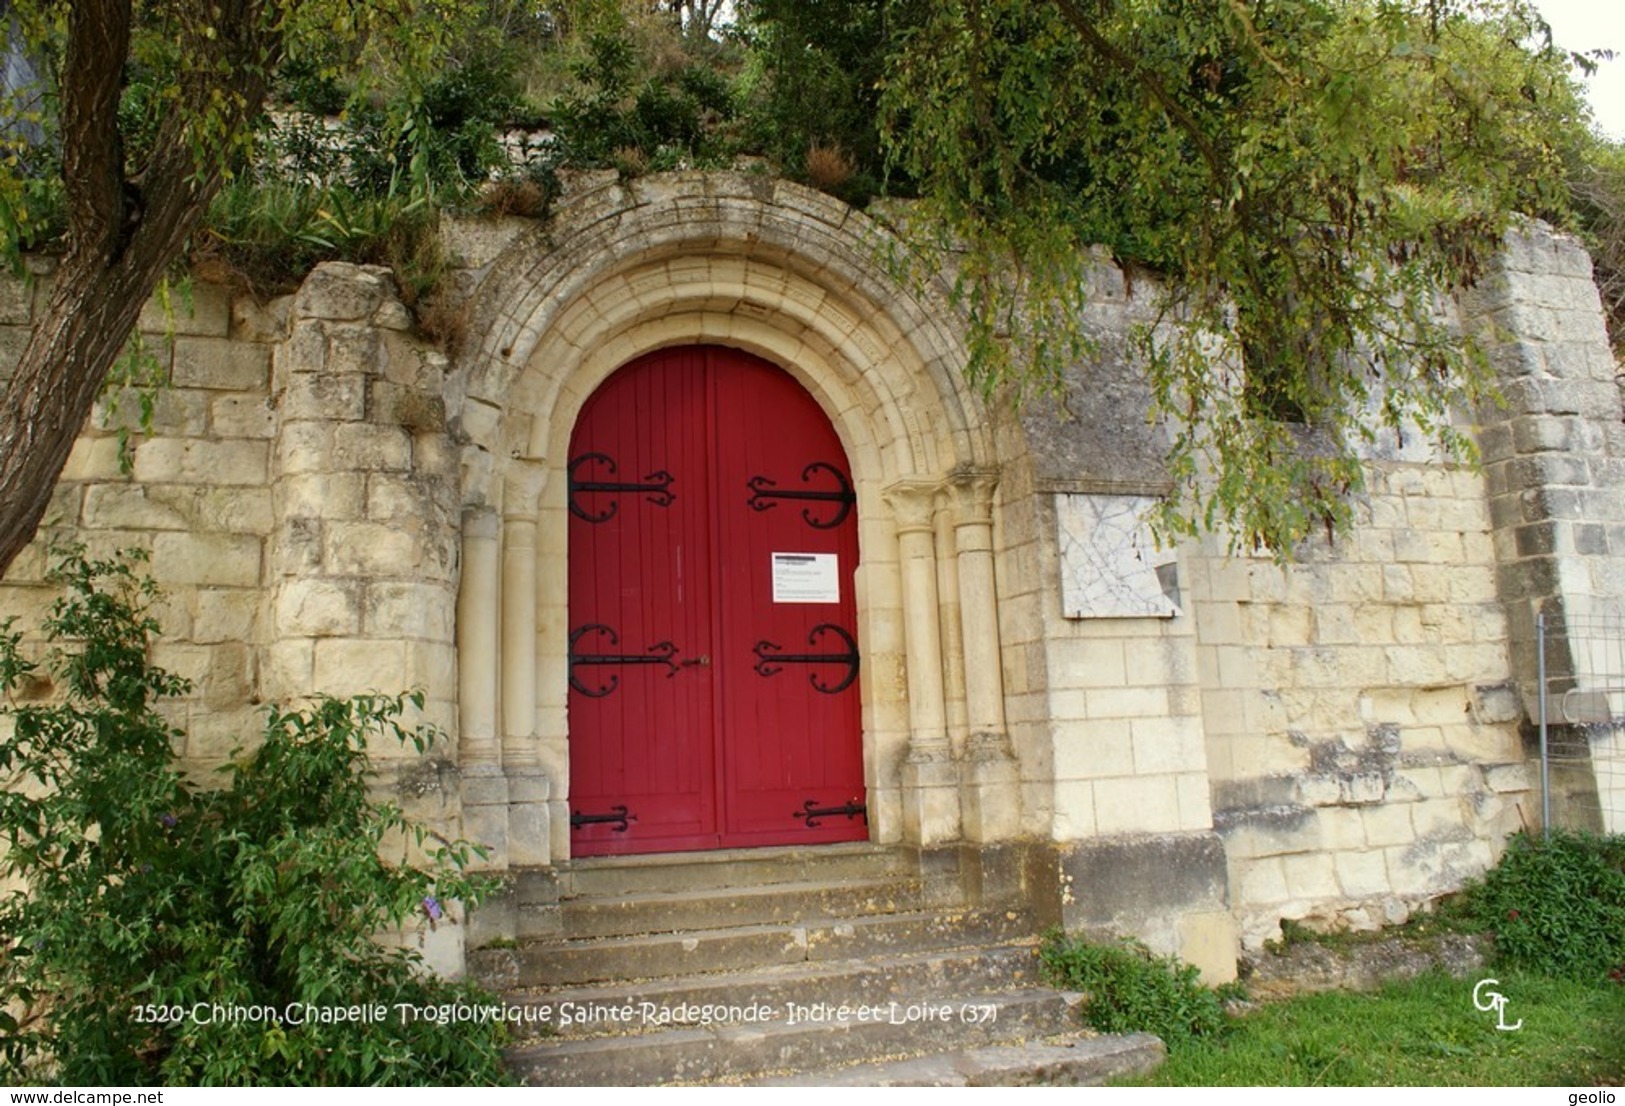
[806, 578]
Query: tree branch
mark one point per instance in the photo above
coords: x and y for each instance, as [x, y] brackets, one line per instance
[92, 149]
[1108, 52]
[116, 257]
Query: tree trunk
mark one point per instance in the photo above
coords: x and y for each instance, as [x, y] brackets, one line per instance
[121, 236]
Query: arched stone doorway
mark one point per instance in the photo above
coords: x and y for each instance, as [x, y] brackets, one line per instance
[781, 273]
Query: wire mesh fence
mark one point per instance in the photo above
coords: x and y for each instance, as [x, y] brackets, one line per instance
[1582, 719]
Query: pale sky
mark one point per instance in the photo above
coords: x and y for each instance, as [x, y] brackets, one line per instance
[1588, 25]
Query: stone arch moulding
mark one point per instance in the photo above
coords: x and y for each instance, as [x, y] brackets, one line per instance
[791, 276]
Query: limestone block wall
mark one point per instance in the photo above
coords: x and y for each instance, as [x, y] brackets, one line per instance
[1124, 708]
[1021, 593]
[298, 498]
[1355, 727]
[1110, 725]
[1358, 708]
[1105, 699]
[1554, 467]
[362, 561]
[1370, 712]
[193, 494]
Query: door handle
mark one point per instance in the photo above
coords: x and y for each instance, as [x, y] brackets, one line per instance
[702, 661]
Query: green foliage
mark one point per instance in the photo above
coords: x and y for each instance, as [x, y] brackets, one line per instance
[1598, 180]
[464, 108]
[1557, 906]
[145, 910]
[1306, 177]
[1127, 989]
[678, 116]
[816, 78]
[272, 233]
[366, 183]
[31, 202]
[1418, 1033]
[1557, 912]
[32, 210]
[311, 88]
[420, 98]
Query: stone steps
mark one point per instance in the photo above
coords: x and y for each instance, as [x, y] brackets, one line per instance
[829, 966]
[569, 962]
[814, 1038]
[647, 912]
[643, 1005]
[733, 868]
[1074, 1060]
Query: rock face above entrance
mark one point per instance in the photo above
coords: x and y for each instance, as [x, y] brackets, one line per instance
[1048, 710]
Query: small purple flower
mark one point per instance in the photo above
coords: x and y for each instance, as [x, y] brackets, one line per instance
[431, 907]
[169, 821]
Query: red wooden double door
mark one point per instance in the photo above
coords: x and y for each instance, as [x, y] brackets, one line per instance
[713, 646]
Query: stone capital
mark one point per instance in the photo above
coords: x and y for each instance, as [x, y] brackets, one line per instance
[914, 504]
[970, 493]
[522, 482]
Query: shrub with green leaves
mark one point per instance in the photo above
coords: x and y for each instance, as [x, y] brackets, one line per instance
[1128, 989]
[158, 932]
[1557, 906]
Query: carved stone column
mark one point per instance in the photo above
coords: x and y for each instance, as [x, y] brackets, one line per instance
[529, 788]
[929, 776]
[519, 641]
[991, 796]
[485, 788]
[950, 624]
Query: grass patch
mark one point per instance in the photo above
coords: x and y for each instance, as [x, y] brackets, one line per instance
[1557, 905]
[1422, 1032]
[1128, 989]
[1554, 909]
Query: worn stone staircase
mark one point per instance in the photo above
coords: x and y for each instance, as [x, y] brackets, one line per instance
[828, 966]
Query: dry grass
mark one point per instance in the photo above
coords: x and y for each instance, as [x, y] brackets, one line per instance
[828, 167]
[629, 161]
[443, 320]
[514, 196]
